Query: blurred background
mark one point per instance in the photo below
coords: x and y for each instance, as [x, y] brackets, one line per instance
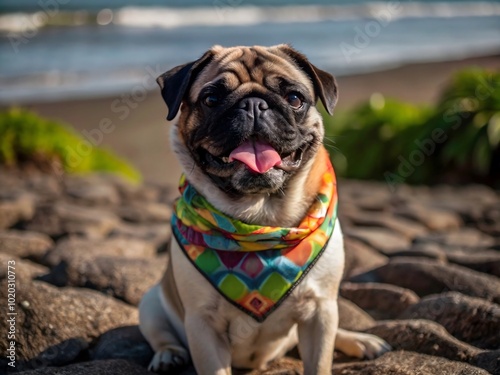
[419, 81]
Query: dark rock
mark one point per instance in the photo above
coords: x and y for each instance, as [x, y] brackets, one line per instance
[489, 360]
[109, 232]
[487, 261]
[9, 214]
[348, 209]
[432, 218]
[465, 238]
[61, 354]
[366, 195]
[407, 363]
[408, 228]
[145, 212]
[46, 187]
[168, 195]
[421, 252]
[129, 191]
[479, 193]
[360, 258]
[157, 234]
[375, 203]
[468, 201]
[424, 336]
[144, 193]
[383, 240]
[492, 212]
[491, 229]
[23, 269]
[50, 315]
[15, 207]
[123, 343]
[108, 367]
[124, 278]
[426, 250]
[426, 277]
[490, 222]
[62, 218]
[25, 244]
[10, 181]
[352, 317]
[69, 249]
[381, 301]
[91, 190]
[469, 319]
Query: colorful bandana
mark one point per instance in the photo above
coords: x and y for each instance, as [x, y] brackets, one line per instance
[254, 267]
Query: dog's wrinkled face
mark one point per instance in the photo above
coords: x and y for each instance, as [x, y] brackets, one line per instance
[248, 115]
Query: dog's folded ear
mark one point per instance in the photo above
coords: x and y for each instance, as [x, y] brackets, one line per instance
[175, 83]
[324, 83]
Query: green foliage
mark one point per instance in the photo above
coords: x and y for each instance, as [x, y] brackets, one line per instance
[457, 140]
[26, 137]
[470, 108]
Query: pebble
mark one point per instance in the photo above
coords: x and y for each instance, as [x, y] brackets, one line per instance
[422, 271]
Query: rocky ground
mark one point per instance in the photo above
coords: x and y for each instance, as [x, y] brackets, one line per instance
[423, 272]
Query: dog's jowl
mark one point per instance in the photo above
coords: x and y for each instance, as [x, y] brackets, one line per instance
[257, 253]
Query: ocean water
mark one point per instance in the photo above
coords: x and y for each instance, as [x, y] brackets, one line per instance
[56, 49]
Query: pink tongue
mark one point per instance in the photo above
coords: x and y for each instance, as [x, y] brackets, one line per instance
[258, 156]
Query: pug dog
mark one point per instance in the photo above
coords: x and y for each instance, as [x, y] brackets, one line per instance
[249, 140]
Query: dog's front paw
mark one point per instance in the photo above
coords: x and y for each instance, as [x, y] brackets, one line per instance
[370, 346]
[169, 359]
[361, 345]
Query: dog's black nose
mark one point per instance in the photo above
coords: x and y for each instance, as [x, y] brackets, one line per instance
[253, 106]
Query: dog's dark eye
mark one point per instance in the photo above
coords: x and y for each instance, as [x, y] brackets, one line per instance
[211, 100]
[294, 100]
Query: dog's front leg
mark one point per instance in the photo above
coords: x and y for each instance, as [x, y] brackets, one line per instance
[317, 338]
[209, 349]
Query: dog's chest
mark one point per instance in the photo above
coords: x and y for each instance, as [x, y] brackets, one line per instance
[254, 344]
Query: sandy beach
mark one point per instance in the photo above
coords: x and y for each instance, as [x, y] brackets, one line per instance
[140, 131]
